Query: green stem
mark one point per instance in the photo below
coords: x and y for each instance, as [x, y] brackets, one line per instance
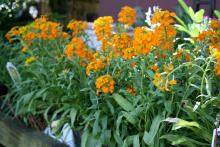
[203, 79]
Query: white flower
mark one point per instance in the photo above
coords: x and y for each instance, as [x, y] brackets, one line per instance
[33, 11]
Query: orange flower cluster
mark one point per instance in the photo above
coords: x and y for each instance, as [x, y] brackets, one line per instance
[162, 83]
[154, 67]
[161, 80]
[105, 84]
[77, 27]
[181, 54]
[217, 65]
[131, 90]
[128, 53]
[78, 47]
[95, 65]
[41, 28]
[120, 42]
[103, 27]
[45, 29]
[127, 16]
[212, 38]
[165, 18]
[168, 68]
[13, 32]
[206, 36]
[215, 25]
[165, 31]
[143, 40]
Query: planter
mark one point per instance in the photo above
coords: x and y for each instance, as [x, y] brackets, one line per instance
[15, 134]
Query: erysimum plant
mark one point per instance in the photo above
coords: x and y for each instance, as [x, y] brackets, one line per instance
[138, 88]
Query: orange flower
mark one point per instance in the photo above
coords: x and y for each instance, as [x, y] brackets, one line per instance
[65, 35]
[24, 49]
[217, 65]
[163, 17]
[12, 33]
[78, 47]
[127, 16]
[168, 68]
[188, 58]
[95, 65]
[105, 84]
[103, 27]
[143, 40]
[205, 35]
[77, 27]
[154, 67]
[160, 82]
[120, 42]
[215, 25]
[172, 82]
[128, 53]
[217, 69]
[131, 90]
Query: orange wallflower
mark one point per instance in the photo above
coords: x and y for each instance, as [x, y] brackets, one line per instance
[217, 69]
[105, 84]
[172, 82]
[120, 42]
[65, 35]
[160, 82]
[217, 65]
[127, 16]
[131, 90]
[143, 40]
[77, 27]
[78, 47]
[215, 25]
[128, 53]
[103, 27]
[181, 54]
[24, 49]
[205, 35]
[168, 68]
[154, 67]
[12, 33]
[95, 65]
[165, 18]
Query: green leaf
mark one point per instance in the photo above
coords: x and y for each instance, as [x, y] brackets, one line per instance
[27, 97]
[96, 127]
[217, 13]
[184, 124]
[136, 142]
[111, 108]
[150, 73]
[130, 118]
[73, 113]
[150, 136]
[182, 140]
[125, 104]
[84, 138]
[180, 21]
[182, 28]
[208, 86]
[198, 18]
[184, 6]
[191, 13]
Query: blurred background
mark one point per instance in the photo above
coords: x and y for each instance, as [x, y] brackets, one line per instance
[21, 11]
